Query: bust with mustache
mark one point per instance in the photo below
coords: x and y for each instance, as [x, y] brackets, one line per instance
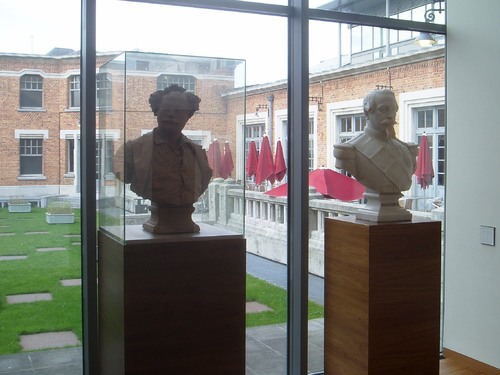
[376, 158]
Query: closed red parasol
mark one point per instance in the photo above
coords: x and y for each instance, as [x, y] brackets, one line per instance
[424, 171]
[329, 183]
[227, 162]
[279, 162]
[214, 158]
[265, 165]
[252, 159]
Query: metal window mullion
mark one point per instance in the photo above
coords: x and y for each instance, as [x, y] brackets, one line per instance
[298, 156]
[88, 192]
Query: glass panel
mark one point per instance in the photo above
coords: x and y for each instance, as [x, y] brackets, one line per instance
[343, 88]
[414, 10]
[126, 192]
[220, 83]
[40, 262]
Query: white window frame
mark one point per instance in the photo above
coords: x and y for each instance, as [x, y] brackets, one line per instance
[31, 134]
[334, 112]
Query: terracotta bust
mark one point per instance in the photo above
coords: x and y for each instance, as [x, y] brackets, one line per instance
[164, 166]
[378, 160]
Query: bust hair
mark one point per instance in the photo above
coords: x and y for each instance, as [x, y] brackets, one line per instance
[155, 98]
[369, 101]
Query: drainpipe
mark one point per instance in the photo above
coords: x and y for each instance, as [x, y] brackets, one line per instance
[270, 101]
[388, 32]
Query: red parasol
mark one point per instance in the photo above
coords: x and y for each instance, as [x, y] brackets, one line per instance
[252, 159]
[424, 171]
[214, 158]
[227, 162]
[265, 165]
[329, 183]
[279, 162]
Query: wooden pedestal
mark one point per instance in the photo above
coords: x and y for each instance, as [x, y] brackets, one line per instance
[172, 304]
[382, 297]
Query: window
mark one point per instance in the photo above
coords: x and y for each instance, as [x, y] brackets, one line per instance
[253, 132]
[31, 156]
[70, 156]
[74, 91]
[142, 65]
[165, 80]
[431, 122]
[104, 92]
[31, 91]
[312, 136]
[104, 156]
[349, 126]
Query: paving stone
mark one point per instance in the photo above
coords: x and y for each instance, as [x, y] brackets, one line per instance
[47, 249]
[71, 282]
[256, 307]
[30, 233]
[71, 235]
[48, 340]
[27, 298]
[13, 257]
[7, 234]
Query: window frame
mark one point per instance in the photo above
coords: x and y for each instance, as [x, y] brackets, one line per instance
[74, 82]
[186, 81]
[25, 134]
[298, 15]
[31, 90]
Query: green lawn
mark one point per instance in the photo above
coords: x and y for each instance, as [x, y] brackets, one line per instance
[42, 271]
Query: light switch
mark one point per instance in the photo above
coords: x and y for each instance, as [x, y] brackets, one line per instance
[487, 235]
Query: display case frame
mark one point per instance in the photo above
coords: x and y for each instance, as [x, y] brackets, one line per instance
[124, 85]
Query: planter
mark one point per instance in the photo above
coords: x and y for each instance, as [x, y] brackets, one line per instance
[19, 207]
[60, 218]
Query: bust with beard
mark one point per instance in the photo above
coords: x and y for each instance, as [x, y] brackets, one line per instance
[376, 158]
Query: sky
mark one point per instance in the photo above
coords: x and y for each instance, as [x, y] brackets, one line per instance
[33, 26]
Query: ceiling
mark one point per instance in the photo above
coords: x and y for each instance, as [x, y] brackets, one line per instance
[373, 7]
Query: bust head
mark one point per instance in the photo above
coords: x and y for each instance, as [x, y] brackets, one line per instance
[173, 107]
[380, 108]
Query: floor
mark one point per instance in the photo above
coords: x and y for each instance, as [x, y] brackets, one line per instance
[265, 356]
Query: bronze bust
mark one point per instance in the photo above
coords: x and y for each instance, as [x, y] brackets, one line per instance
[166, 167]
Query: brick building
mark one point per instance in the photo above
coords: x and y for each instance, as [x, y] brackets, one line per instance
[40, 126]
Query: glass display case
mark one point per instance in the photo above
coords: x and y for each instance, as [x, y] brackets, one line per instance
[136, 158]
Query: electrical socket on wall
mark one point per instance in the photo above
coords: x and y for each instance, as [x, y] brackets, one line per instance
[487, 235]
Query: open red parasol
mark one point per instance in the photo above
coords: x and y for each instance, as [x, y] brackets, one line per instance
[329, 183]
[227, 162]
[265, 165]
[279, 162]
[214, 158]
[252, 159]
[424, 171]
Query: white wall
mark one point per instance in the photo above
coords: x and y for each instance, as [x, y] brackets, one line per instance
[472, 272]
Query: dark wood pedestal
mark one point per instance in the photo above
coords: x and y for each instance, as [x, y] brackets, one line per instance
[382, 297]
[172, 304]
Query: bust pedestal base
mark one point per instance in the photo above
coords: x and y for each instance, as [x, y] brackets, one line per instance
[171, 304]
[382, 297]
[167, 219]
[382, 208]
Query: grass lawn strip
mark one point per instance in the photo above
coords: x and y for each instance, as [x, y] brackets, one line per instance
[44, 270]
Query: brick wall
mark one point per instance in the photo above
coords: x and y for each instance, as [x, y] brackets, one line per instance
[219, 108]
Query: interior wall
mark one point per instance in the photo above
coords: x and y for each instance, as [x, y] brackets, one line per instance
[472, 270]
